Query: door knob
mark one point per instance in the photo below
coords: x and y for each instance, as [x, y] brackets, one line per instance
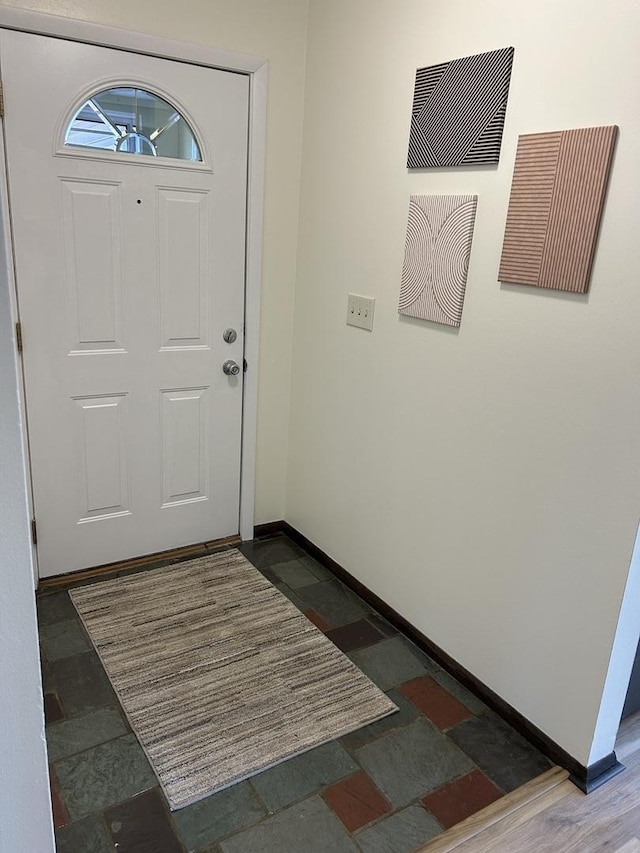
[231, 367]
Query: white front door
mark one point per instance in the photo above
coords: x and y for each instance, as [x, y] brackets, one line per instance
[130, 268]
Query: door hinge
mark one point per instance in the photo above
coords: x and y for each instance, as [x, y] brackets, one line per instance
[1, 100]
[34, 532]
[19, 336]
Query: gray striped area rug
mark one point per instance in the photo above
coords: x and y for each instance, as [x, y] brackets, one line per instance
[219, 674]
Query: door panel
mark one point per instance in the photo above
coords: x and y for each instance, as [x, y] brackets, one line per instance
[92, 214]
[102, 456]
[129, 268]
[183, 224]
[185, 447]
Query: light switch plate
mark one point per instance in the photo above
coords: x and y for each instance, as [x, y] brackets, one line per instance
[360, 311]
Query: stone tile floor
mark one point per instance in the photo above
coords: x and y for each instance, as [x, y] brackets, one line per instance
[386, 788]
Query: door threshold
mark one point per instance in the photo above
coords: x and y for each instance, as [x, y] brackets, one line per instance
[482, 831]
[198, 550]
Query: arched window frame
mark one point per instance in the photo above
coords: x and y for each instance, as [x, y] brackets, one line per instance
[61, 148]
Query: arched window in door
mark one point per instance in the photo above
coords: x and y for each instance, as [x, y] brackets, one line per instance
[132, 121]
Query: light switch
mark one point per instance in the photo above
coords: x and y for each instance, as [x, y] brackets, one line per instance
[360, 311]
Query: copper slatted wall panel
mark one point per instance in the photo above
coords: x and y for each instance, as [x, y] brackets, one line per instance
[550, 238]
[529, 205]
[581, 180]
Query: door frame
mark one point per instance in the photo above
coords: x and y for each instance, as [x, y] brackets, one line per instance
[256, 68]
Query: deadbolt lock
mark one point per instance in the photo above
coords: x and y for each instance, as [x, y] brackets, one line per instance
[229, 335]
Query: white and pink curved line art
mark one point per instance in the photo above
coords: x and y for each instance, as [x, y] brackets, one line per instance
[436, 261]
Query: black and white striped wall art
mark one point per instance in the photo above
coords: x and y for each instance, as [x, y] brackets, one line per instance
[458, 111]
[436, 257]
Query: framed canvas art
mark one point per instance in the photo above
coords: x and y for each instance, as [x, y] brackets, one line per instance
[458, 111]
[436, 257]
[555, 206]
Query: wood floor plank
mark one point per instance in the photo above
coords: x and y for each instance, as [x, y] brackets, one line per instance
[632, 846]
[628, 740]
[582, 824]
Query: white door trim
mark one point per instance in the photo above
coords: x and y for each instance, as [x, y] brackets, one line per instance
[257, 70]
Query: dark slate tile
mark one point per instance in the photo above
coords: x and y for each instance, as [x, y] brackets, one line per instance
[48, 679]
[266, 552]
[322, 573]
[64, 639]
[427, 660]
[53, 712]
[355, 635]
[382, 625]
[103, 776]
[141, 825]
[82, 684]
[309, 827]
[79, 733]
[269, 574]
[55, 607]
[402, 832]
[472, 702]
[407, 713]
[294, 574]
[85, 836]
[412, 761]
[293, 597]
[332, 600]
[303, 775]
[390, 662]
[217, 816]
[504, 755]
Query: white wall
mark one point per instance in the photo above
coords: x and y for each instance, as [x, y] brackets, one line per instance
[621, 663]
[25, 812]
[485, 482]
[275, 29]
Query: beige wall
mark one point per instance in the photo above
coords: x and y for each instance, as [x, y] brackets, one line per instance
[275, 29]
[485, 482]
